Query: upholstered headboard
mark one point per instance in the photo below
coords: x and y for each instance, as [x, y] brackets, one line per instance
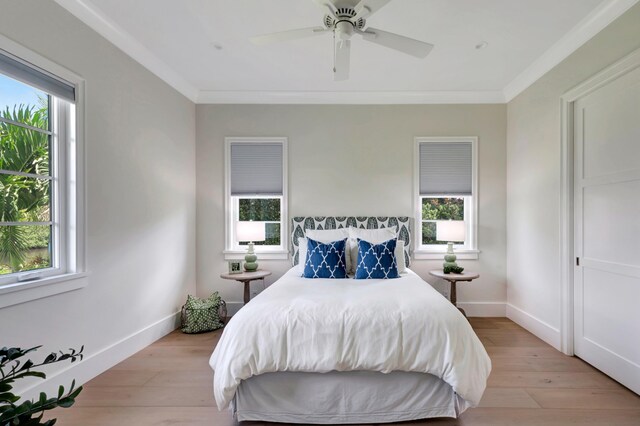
[301, 223]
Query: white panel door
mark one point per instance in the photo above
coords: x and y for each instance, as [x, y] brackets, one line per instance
[607, 229]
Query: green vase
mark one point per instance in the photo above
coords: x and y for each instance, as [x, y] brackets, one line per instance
[250, 264]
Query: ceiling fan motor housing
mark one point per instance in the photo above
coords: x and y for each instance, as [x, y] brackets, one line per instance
[345, 17]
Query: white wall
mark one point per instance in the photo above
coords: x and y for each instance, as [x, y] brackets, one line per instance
[353, 160]
[140, 178]
[533, 178]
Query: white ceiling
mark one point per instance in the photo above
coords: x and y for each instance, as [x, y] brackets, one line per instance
[177, 40]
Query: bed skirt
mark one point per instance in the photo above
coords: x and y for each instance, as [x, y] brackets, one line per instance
[345, 397]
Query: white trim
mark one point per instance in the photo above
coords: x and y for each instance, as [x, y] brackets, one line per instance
[102, 360]
[350, 98]
[470, 250]
[541, 329]
[229, 251]
[26, 291]
[591, 25]
[262, 255]
[69, 126]
[598, 19]
[40, 61]
[472, 309]
[567, 257]
[233, 308]
[484, 309]
[439, 254]
[99, 22]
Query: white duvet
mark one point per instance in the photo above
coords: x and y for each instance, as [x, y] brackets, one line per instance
[322, 325]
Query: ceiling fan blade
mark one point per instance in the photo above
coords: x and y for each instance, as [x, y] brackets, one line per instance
[407, 45]
[366, 8]
[341, 61]
[287, 35]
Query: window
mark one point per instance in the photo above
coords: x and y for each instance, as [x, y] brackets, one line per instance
[446, 189]
[39, 229]
[256, 188]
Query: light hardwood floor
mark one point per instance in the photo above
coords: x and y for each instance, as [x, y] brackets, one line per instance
[170, 383]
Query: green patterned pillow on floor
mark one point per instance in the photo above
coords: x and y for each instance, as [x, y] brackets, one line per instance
[199, 315]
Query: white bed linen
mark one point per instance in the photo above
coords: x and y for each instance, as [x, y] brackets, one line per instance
[323, 325]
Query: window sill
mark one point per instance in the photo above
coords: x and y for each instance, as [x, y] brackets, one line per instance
[262, 255]
[22, 292]
[439, 254]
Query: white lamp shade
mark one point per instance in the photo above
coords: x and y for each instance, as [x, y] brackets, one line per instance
[450, 230]
[250, 231]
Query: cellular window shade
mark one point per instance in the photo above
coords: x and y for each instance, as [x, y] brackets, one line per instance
[256, 169]
[445, 168]
[36, 77]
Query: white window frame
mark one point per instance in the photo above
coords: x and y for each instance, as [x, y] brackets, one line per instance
[468, 250]
[67, 188]
[233, 250]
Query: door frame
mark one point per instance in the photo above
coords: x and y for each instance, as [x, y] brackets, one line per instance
[567, 258]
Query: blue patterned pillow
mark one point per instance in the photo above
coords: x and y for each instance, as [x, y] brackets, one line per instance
[376, 260]
[325, 260]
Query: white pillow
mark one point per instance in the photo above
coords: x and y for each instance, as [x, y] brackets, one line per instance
[399, 253]
[324, 236]
[302, 255]
[375, 236]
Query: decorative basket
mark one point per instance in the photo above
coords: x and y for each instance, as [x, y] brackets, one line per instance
[201, 315]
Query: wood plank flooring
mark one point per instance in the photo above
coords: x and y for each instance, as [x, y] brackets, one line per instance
[170, 383]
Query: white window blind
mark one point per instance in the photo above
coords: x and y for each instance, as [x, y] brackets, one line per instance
[446, 168]
[256, 169]
[36, 77]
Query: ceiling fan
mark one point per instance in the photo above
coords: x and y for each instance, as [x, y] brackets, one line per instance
[344, 18]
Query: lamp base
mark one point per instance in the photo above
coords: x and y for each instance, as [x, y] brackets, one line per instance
[450, 264]
[250, 264]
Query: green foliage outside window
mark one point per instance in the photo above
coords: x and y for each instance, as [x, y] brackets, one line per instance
[262, 210]
[434, 209]
[24, 199]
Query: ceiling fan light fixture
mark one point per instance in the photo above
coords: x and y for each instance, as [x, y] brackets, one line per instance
[344, 30]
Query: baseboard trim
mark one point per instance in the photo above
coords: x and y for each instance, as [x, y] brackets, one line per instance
[233, 308]
[473, 309]
[99, 362]
[541, 329]
[484, 309]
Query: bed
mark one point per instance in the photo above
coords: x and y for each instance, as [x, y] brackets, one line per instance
[348, 351]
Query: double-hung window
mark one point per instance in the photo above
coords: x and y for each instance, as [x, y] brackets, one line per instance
[256, 191]
[446, 190]
[39, 235]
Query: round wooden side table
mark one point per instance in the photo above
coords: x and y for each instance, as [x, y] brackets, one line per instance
[453, 279]
[246, 278]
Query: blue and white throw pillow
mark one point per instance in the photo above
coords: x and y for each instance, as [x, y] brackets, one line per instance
[326, 260]
[376, 261]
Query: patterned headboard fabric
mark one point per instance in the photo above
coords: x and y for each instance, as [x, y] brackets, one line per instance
[300, 224]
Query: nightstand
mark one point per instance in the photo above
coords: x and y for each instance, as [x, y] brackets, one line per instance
[246, 278]
[453, 279]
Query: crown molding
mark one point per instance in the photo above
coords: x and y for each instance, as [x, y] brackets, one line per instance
[352, 98]
[597, 20]
[97, 21]
[591, 25]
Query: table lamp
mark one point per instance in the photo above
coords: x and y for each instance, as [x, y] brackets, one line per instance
[250, 232]
[450, 231]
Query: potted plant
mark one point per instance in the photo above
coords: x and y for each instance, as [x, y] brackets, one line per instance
[30, 412]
